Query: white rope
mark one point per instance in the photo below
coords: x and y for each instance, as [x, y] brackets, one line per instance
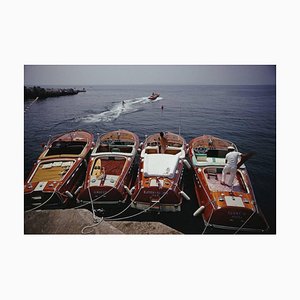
[245, 223]
[207, 223]
[41, 203]
[102, 194]
[30, 104]
[88, 188]
[82, 205]
[143, 211]
[132, 200]
[96, 219]
[97, 222]
[120, 211]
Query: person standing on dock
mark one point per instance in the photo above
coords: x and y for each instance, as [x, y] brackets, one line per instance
[163, 143]
[231, 161]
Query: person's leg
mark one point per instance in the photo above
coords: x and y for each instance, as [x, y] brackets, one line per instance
[232, 175]
[225, 170]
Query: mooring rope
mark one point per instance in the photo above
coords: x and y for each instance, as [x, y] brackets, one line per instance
[41, 203]
[131, 201]
[207, 223]
[141, 212]
[245, 222]
[96, 199]
[97, 222]
[30, 104]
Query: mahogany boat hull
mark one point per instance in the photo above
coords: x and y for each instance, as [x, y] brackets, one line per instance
[55, 178]
[157, 199]
[105, 194]
[223, 207]
[159, 179]
[229, 217]
[54, 189]
[110, 169]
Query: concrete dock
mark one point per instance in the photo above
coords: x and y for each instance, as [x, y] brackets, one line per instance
[80, 221]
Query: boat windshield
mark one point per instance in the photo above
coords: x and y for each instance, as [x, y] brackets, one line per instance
[62, 147]
[216, 153]
[115, 147]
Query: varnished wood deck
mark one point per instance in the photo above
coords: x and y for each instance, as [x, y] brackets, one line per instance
[55, 173]
[210, 142]
[118, 135]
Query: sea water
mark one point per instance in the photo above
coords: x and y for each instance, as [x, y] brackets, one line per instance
[245, 115]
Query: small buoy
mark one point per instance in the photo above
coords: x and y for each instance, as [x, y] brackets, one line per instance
[162, 107]
[187, 164]
[184, 195]
[69, 194]
[199, 211]
[127, 190]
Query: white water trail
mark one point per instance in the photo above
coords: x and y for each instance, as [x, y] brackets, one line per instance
[119, 108]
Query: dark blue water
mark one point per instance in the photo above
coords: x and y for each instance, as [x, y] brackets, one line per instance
[245, 115]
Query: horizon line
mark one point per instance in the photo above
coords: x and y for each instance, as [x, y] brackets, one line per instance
[159, 84]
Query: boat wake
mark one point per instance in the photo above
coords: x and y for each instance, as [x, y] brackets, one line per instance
[118, 109]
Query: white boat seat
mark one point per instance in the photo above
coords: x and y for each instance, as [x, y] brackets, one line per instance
[160, 165]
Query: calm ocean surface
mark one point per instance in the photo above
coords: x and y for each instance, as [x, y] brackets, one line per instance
[245, 115]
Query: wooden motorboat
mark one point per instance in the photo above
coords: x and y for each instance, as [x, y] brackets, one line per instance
[110, 169]
[159, 180]
[224, 207]
[153, 96]
[59, 170]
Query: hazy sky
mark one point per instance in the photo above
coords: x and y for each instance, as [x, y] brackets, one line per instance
[148, 74]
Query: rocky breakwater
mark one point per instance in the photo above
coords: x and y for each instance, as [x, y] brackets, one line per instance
[42, 93]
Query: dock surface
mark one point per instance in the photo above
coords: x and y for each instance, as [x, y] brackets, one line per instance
[79, 221]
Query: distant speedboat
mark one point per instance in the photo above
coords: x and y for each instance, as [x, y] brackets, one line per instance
[153, 96]
[110, 169]
[59, 170]
[158, 185]
[223, 207]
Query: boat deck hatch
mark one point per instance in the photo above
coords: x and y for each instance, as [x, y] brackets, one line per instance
[234, 201]
[154, 182]
[111, 180]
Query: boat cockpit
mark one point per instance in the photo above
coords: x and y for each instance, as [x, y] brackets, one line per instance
[63, 148]
[213, 176]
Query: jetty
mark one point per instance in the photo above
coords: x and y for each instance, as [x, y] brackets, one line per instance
[80, 221]
[43, 93]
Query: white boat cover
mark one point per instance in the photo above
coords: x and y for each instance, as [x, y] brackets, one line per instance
[160, 165]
